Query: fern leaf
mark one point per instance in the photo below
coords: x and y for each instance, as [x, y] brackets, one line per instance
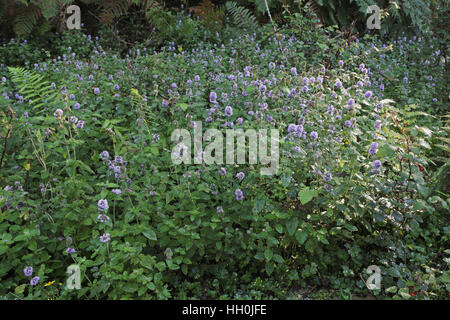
[33, 87]
[241, 16]
[26, 20]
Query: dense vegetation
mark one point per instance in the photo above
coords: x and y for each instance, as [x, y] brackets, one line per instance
[87, 178]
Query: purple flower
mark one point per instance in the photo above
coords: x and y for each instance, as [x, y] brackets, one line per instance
[165, 103]
[213, 97]
[240, 175]
[377, 124]
[368, 94]
[35, 281]
[116, 87]
[348, 123]
[350, 102]
[294, 71]
[373, 148]
[338, 84]
[102, 217]
[228, 111]
[327, 177]
[118, 159]
[70, 250]
[222, 171]
[102, 205]
[58, 113]
[73, 119]
[239, 120]
[197, 78]
[219, 209]
[376, 166]
[105, 238]
[152, 193]
[341, 63]
[104, 155]
[239, 195]
[80, 124]
[405, 80]
[76, 106]
[28, 271]
[292, 127]
[96, 90]
[116, 191]
[313, 135]
[174, 85]
[72, 96]
[382, 87]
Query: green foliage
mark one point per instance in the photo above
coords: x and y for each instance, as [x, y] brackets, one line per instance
[396, 16]
[241, 16]
[178, 231]
[34, 89]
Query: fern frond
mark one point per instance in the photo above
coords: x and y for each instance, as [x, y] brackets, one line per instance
[241, 16]
[26, 20]
[33, 87]
[114, 9]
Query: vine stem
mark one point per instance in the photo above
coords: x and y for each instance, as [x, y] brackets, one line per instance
[275, 30]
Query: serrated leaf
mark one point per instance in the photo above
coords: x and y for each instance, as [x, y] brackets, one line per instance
[292, 226]
[150, 234]
[306, 195]
[301, 236]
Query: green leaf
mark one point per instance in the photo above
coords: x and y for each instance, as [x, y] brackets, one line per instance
[150, 234]
[279, 228]
[20, 289]
[301, 236]
[392, 289]
[161, 266]
[292, 226]
[424, 191]
[269, 268]
[268, 254]
[183, 106]
[184, 269]
[259, 205]
[306, 195]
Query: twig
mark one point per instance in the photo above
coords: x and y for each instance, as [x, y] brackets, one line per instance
[275, 29]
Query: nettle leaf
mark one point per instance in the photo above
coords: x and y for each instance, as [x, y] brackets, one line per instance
[306, 195]
[386, 150]
[291, 226]
[301, 236]
[150, 234]
[268, 254]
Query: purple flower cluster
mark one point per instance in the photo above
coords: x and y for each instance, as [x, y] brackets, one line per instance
[105, 237]
[28, 271]
[70, 250]
[373, 148]
[376, 166]
[102, 205]
[239, 194]
[240, 176]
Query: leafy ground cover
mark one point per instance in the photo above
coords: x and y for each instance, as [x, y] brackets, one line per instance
[87, 175]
